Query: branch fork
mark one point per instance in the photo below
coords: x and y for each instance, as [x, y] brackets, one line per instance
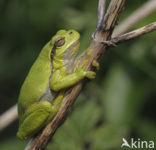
[127, 36]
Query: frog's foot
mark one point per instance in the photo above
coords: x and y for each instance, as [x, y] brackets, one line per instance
[81, 67]
[36, 117]
[90, 74]
[96, 64]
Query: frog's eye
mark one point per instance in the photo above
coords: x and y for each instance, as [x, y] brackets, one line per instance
[59, 42]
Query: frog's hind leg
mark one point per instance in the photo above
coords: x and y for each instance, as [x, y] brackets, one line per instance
[56, 103]
[34, 119]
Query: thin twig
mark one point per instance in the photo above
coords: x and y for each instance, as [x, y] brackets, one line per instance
[41, 140]
[133, 34]
[7, 117]
[130, 35]
[142, 12]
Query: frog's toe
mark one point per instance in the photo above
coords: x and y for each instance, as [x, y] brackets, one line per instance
[96, 64]
[90, 75]
[21, 136]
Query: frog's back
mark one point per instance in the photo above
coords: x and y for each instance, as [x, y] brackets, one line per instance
[37, 80]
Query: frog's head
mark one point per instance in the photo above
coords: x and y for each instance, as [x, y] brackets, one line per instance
[65, 40]
[66, 45]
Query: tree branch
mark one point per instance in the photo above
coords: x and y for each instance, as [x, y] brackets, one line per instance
[133, 34]
[113, 11]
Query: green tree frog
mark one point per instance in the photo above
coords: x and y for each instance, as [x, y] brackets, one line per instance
[43, 89]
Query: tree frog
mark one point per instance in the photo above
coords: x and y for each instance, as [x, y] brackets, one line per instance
[43, 89]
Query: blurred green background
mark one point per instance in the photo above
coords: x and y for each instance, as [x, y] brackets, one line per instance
[119, 103]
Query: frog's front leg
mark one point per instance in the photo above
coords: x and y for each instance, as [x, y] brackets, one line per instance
[61, 81]
[35, 117]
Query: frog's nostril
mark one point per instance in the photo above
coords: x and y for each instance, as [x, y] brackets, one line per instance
[70, 32]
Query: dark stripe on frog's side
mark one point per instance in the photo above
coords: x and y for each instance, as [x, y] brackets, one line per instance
[49, 94]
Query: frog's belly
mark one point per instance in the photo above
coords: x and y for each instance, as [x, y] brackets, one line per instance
[49, 95]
